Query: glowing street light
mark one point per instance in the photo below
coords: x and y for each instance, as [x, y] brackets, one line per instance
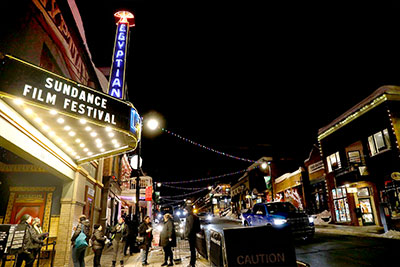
[152, 124]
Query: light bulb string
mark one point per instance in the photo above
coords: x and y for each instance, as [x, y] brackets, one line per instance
[205, 147]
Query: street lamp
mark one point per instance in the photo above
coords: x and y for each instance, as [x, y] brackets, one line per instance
[152, 124]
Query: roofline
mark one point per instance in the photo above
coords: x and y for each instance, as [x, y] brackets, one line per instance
[382, 94]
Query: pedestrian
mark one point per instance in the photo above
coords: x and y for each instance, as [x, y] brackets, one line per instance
[98, 242]
[120, 232]
[78, 252]
[192, 227]
[168, 239]
[132, 223]
[145, 231]
[30, 243]
[40, 235]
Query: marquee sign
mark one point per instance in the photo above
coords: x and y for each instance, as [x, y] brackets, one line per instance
[117, 75]
[31, 83]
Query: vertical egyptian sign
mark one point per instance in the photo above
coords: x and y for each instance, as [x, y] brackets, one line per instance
[117, 74]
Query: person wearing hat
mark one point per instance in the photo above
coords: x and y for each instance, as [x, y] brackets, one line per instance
[192, 227]
[30, 242]
[78, 254]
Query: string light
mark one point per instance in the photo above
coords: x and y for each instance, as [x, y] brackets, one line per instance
[205, 147]
[206, 178]
[184, 188]
[184, 195]
[211, 177]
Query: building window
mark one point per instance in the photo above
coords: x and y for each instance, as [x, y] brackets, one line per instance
[342, 210]
[378, 142]
[333, 162]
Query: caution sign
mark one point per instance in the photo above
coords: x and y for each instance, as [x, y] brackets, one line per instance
[264, 246]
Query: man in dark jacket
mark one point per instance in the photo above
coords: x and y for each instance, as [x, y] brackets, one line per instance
[98, 242]
[120, 232]
[31, 240]
[78, 254]
[145, 231]
[168, 239]
[192, 227]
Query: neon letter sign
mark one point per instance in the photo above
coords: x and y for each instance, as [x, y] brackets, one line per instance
[117, 75]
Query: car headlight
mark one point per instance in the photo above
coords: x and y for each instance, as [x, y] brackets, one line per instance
[209, 218]
[279, 221]
[311, 219]
[159, 215]
[159, 228]
[178, 213]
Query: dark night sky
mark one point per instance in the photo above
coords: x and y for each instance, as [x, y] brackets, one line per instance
[245, 76]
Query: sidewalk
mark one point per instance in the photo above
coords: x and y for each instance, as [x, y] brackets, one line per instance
[155, 258]
[366, 231]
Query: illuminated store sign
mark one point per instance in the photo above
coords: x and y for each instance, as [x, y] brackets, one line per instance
[31, 83]
[117, 75]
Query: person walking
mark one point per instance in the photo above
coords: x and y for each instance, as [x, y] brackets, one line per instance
[78, 253]
[120, 232]
[192, 227]
[29, 244]
[145, 231]
[98, 242]
[40, 235]
[168, 239]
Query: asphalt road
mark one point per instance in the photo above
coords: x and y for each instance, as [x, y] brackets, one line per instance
[340, 250]
[335, 250]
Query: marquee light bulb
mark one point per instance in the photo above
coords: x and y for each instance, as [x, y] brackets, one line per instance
[53, 112]
[28, 111]
[18, 101]
[88, 128]
[60, 120]
[93, 134]
[82, 121]
[71, 133]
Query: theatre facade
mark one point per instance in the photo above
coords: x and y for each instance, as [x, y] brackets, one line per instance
[57, 123]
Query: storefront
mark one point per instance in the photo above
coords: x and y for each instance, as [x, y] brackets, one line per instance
[289, 187]
[58, 131]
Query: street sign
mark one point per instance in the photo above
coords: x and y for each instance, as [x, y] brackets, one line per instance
[264, 246]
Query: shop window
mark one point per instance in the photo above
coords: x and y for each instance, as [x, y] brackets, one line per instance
[333, 162]
[391, 196]
[379, 142]
[341, 205]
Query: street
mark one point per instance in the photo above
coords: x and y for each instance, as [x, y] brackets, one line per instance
[341, 250]
[333, 249]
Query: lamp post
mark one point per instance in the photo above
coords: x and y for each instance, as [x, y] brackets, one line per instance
[152, 124]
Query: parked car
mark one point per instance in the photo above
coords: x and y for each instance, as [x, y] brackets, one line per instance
[279, 215]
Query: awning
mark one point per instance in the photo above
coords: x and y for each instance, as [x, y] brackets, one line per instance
[85, 123]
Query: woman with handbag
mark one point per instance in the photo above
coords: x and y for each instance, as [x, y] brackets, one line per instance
[80, 241]
[145, 237]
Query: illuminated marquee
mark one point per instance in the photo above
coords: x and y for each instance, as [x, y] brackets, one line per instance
[117, 75]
